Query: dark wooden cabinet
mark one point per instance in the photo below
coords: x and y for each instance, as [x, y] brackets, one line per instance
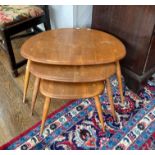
[135, 27]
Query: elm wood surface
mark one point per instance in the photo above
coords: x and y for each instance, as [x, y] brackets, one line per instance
[134, 25]
[50, 49]
[110, 97]
[45, 112]
[68, 74]
[68, 90]
[60, 73]
[35, 93]
[65, 90]
[119, 78]
[90, 73]
[73, 47]
[26, 80]
[99, 110]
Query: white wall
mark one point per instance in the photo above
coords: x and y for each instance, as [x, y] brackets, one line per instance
[61, 16]
[82, 15]
[64, 16]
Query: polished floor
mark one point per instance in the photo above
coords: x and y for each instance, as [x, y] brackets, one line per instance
[14, 115]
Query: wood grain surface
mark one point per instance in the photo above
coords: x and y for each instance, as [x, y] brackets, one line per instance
[64, 90]
[89, 73]
[73, 47]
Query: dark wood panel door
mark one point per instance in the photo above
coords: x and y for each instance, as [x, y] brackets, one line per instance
[150, 63]
[133, 25]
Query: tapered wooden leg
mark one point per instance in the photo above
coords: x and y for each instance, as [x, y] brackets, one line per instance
[26, 80]
[35, 92]
[45, 111]
[119, 78]
[99, 110]
[110, 97]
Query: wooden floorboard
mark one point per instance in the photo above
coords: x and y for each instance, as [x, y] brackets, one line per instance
[14, 115]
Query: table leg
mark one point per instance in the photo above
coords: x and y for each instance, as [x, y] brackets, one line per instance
[119, 78]
[26, 80]
[45, 112]
[110, 97]
[35, 92]
[99, 110]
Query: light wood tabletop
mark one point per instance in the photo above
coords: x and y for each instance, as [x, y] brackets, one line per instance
[73, 47]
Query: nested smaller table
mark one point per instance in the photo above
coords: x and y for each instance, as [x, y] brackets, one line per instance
[72, 82]
[75, 62]
[73, 74]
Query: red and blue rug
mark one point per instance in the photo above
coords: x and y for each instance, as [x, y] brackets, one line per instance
[76, 125]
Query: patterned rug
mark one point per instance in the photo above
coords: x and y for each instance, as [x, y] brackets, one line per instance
[76, 125]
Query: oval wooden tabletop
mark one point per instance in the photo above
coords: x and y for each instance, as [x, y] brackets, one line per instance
[89, 73]
[64, 90]
[73, 47]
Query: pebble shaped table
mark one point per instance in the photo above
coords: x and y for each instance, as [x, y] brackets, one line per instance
[72, 63]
